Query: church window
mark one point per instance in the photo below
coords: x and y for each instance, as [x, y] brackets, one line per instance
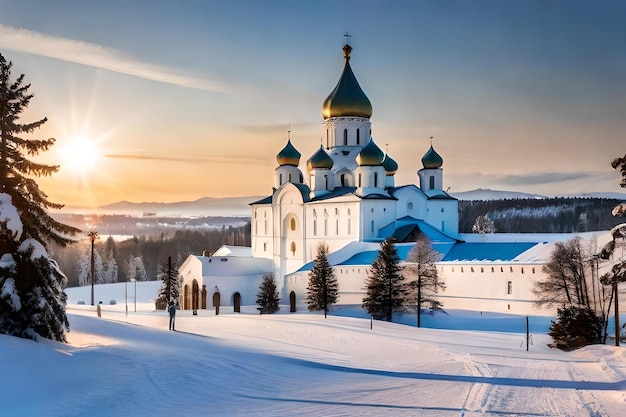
[358, 136]
[472, 269]
[461, 269]
[501, 269]
[492, 270]
[301, 178]
[289, 177]
[522, 270]
[264, 246]
[265, 227]
[293, 248]
[452, 269]
[345, 137]
[327, 138]
[372, 210]
[359, 179]
[325, 227]
[280, 179]
[342, 179]
[409, 206]
[372, 226]
[314, 227]
[533, 271]
[443, 225]
[431, 185]
[337, 227]
[482, 269]
[326, 182]
[511, 269]
[349, 226]
[509, 287]
[292, 224]
[375, 179]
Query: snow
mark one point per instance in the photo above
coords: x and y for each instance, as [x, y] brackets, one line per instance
[9, 214]
[38, 249]
[296, 364]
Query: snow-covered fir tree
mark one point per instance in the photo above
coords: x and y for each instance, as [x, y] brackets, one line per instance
[268, 297]
[32, 300]
[136, 269]
[110, 272]
[83, 270]
[323, 288]
[171, 282]
[385, 286]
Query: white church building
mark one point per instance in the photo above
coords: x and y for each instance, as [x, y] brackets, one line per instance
[345, 197]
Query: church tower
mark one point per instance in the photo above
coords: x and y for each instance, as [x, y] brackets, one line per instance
[287, 171]
[431, 175]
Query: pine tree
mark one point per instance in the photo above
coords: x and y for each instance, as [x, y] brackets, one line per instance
[385, 287]
[32, 300]
[323, 288]
[110, 270]
[422, 263]
[268, 298]
[171, 282]
[136, 269]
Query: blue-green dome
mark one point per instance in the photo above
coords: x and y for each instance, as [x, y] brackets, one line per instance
[370, 155]
[320, 160]
[390, 165]
[288, 155]
[347, 99]
[432, 160]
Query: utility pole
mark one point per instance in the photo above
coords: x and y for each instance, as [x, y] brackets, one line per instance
[93, 235]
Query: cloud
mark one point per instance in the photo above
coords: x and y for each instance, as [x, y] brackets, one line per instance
[215, 159]
[98, 56]
[538, 178]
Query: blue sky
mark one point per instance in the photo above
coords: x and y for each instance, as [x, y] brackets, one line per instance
[195, 98]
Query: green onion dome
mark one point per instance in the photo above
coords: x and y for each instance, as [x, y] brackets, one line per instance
[347, 99]
[432, 160]
[288, 155]
[320, 159]
[370, 155]
[390, 166]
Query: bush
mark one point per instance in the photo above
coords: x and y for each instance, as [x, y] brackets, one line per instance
[575, 327]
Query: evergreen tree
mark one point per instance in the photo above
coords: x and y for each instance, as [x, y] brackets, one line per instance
[110, 270]
[385, 287]
[422, 263]
[136, 269]
[483, 224]
[171, 282]
[268, 298]
[575, 327]
[323, 288]
[32, 300]
[83, 270]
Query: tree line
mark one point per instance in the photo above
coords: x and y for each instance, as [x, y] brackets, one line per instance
[545, 215]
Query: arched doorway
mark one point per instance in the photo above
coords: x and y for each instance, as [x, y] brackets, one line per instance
[203, 297]
[195, 295]
[292, 302]
[216, 302]
[186, 297]
[237, 302]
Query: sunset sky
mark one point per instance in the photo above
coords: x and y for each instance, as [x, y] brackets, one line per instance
[168, 101]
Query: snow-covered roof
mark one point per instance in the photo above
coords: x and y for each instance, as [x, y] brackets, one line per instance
[239, 251]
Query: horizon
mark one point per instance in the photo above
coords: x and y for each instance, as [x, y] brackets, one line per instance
[525, 97]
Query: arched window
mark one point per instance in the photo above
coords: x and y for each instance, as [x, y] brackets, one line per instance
[359, 179]
[409, 206]
[375, 179]
[431, 185]
[372, 226]
[292, 224]
[326, 182]
[280, 179]
[345, 137]
[358, 136]
[293, 248]
[289, 177]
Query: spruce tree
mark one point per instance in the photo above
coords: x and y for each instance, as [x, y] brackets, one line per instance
[385, 287]
[268, 298]
[170, 287]
[32, 300]
[323, 288]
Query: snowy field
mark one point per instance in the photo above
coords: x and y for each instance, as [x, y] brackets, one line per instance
[297, 365]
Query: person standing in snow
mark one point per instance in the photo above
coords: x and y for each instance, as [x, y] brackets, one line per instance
[99, 309]
[172, 310]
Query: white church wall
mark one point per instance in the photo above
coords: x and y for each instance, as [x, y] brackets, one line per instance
[411, 202]
[375, 215]
[262, 231]
[443, 214]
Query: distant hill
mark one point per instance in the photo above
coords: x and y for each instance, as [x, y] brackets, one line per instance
[487, 194]
[205, 206]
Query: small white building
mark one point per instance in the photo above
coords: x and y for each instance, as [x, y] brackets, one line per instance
[345, 197]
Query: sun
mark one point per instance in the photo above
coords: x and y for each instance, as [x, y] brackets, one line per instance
[81, 155]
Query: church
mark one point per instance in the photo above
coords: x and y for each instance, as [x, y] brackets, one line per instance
[344, 196]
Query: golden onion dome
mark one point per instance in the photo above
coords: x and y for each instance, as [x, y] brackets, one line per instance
[431, 159]
[391, 166]
[370, 155]
[288, 155]
[347, 99]
[320, 160]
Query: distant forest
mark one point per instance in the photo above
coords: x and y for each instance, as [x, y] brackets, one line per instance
[545, 215]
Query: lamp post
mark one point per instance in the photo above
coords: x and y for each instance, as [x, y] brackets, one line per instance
[93, 235]
[135, 281]
[126, 295]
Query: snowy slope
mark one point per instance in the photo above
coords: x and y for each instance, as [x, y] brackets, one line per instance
[299, 364]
